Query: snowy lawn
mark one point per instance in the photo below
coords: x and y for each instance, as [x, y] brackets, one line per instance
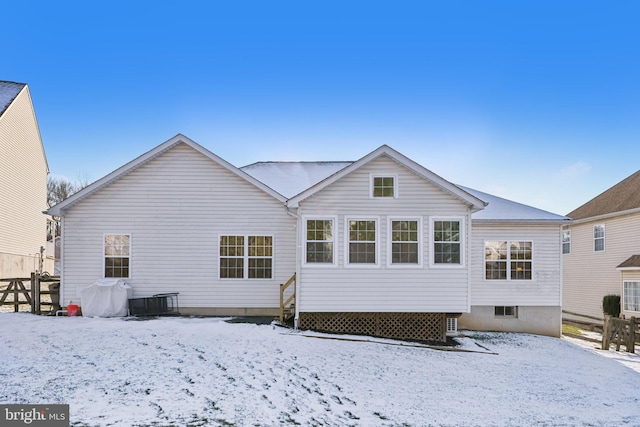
[188, 371]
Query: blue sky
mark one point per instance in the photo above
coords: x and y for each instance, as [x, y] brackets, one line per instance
[538, 101]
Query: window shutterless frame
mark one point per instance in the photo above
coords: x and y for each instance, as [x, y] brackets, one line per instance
[246, 256]
[116, 255]
[447, 241]
[361, 241]
[319, 236]
[598, 238]
[509, 260]
[404, 236]
[383, 186]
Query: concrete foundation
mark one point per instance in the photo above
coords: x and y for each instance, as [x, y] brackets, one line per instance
[540, 320]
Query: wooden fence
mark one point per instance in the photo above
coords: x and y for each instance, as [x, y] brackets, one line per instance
[619, 331]
[17, 294]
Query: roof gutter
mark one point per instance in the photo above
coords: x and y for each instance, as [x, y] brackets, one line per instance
[606, 216]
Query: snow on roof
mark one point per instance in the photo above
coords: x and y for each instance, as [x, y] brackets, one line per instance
[292, 178]
[8, 92]
[507, 210]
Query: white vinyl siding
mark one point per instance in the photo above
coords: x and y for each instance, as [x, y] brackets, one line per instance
[544, 287]
[177, 205]
[384, 287]
[23, 189]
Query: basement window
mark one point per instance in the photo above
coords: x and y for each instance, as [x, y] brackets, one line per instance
[506, 311]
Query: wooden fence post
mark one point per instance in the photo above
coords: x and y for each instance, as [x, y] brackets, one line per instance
[631, 343]
[605, 332]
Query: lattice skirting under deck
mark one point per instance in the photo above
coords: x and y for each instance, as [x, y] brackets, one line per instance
[410, 326]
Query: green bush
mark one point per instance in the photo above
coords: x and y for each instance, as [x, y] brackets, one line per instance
[611, 305]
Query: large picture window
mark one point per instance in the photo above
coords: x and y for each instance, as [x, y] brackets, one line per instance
[117, 254]
[362, 241]
[631, 296]
[447, 239]
[246, 257]
[320, 241]
[506, 260]
[404, 242]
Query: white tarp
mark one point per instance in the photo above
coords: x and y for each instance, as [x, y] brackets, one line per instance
[106, 298]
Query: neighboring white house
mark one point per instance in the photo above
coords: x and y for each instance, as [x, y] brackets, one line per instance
[380, 246]
[601, 251]
[23, 184]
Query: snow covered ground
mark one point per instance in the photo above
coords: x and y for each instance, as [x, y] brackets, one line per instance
[204, 371]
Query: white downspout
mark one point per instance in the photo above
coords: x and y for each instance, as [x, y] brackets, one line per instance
[297, 288]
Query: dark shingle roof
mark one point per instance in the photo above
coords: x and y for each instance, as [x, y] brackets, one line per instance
[633, 261]
[8, 92]
[623, 196]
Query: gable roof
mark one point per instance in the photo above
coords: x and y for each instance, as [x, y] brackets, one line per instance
[8, 92]
[623, 196]
[149, 155]
[475, 203]
[631, 263]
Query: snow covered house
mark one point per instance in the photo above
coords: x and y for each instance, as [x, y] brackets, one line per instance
[23, 184]
[379, 246]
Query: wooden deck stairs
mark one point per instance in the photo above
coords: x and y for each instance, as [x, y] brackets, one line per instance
[288, 305]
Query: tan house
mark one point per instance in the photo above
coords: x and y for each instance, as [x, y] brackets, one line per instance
[23, 183]
[600, 252]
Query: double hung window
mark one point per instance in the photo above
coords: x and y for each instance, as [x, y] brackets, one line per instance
[506, 260]
[447, 242]
[320, 241]
[362, 241]
[117, 254]
[404, 242]
[246, 257]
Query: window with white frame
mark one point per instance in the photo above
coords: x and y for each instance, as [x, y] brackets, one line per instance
[383, 186]
[320, 241]
[447, 242]
[362, 241]
[117, 255]
[246, 257]
[404, 242]
[566, 241]
[631, 296]
[598, 238]
[506, 311]
[505, 260]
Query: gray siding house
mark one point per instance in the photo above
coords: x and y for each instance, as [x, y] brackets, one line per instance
[381, 245]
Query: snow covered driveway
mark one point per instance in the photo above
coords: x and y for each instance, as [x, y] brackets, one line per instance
[183, 371]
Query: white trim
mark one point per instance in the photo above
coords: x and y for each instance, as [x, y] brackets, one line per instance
[347, 241]
[463, 239]
[246, 257]
[390, 242]
[372, 177]
[334, 222]
[104, 255]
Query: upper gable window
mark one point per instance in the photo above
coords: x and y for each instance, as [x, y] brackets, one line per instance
[384, 186]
